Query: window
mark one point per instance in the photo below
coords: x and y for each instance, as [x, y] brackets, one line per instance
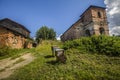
[87, 33]
[99, 14]
[102, 31]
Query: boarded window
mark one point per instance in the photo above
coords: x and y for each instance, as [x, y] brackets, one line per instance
[87, 33]
[99, 14]
[101, 30]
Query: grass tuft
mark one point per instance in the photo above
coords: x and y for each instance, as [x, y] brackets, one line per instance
[78, 66]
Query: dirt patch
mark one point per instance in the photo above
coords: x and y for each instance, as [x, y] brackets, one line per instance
[7, 66]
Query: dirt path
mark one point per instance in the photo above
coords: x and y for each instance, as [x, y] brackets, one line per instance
[7, 66]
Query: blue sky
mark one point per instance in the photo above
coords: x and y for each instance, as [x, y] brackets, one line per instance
[56, 14]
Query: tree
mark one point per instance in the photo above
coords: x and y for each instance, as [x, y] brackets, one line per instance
[52, 34]
[45, 33]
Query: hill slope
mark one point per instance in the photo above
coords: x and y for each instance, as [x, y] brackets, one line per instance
[78, 66]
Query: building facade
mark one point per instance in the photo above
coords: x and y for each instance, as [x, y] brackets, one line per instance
[92, 22]
[14, 35]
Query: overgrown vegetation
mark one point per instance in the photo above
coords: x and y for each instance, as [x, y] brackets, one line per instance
[6, 52]
[96, 44]
[78, 66]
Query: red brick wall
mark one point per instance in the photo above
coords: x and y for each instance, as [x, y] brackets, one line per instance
[100, 21]
[90, 22]
[12, 39]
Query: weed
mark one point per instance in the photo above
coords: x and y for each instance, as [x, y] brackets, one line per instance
[78, 66]
[14, 53]
[96, 44]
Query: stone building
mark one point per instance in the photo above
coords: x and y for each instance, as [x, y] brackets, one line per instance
[14, 35]
[92, 22]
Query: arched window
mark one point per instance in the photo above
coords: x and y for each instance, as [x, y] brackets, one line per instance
[101, 30]
[99, 14]
[87, 32]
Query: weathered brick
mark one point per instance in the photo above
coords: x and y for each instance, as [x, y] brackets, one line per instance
[92, 22]
[12, 38]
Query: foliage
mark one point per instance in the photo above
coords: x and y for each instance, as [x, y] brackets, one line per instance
[78, 66]
[52, 34]
[45, 33]
[97, 44]
[4, 50]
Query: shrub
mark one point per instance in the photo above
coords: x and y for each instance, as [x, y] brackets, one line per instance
[107, 45]
[68, 45]
[4, 50]
[98, 44]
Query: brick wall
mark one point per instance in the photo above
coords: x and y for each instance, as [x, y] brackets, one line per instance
[12, 39]
[92, 22]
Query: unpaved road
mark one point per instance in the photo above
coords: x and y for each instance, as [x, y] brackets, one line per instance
[8, 65]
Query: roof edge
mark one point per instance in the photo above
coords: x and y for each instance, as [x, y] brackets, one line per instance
[15, 23]
[92, 6]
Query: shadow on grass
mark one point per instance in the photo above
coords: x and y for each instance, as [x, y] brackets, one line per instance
[53, 62]
[49, 56]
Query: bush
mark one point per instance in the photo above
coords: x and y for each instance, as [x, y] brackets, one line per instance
[98, 44]
[4, 50]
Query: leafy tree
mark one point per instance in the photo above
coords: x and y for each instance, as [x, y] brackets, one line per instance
[45, 33]
[52, 34]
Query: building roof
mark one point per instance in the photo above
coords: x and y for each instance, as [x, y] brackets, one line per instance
[13, 22]
[14, 26]
[92, 6]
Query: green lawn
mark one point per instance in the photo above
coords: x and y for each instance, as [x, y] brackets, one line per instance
[78, 66]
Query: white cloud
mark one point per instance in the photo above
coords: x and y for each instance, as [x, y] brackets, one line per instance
[58, 37]
[113, 13]
[116, 30]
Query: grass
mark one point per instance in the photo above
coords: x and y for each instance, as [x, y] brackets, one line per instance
[14, 53]
[78, 66]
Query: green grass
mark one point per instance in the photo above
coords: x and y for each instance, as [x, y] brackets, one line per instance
[14, 53]
[78, 66]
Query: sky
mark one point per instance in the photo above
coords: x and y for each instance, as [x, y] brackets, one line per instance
[56, 14]
[113, 13]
